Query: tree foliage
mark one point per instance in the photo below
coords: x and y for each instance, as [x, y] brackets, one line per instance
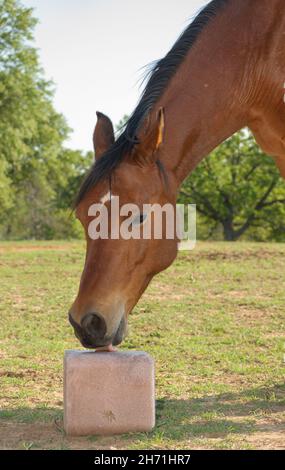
[37, 173]
[239, 189]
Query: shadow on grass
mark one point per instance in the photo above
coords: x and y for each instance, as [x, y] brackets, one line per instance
[215, 416]
[32, 415]
[219, 415]
[26, 428]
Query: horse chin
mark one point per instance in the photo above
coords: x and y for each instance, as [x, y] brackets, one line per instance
[108, 347]
[121, 332]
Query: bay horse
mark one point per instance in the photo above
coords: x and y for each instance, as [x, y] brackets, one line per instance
[225, 72]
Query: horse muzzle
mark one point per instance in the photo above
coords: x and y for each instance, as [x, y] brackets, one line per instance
[92, 332]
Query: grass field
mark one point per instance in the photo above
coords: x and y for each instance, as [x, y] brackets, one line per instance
[214, 323]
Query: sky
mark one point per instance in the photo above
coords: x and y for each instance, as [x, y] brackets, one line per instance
[94, 51]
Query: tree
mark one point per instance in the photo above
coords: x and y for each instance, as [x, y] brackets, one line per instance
[37, 173]
[239, 188]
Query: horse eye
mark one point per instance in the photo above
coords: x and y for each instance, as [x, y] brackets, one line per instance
[140, 219]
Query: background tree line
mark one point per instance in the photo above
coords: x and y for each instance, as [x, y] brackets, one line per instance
[239, 193]
[38, 174]
[237, 189]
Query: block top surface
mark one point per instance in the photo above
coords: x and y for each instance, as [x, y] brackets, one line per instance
[118, 356]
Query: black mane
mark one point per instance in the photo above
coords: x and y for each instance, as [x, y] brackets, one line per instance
[159, 77]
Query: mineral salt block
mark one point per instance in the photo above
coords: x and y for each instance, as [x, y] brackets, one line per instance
[108, 393]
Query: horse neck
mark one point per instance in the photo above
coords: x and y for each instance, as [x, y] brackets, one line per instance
[208, 99]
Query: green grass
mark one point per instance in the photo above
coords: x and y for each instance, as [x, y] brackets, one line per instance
[214, 323]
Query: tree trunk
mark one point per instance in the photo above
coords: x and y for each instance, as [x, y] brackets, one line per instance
[229, 232]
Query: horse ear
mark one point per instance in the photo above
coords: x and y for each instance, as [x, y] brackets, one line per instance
[154, 137]
[103, 136]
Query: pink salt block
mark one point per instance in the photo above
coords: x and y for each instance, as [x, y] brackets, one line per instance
[108, 393]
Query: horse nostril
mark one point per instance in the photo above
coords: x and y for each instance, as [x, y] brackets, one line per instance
[94, 325]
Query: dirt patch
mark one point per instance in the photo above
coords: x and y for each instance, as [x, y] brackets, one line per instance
[51, 436]
[21, 436]
[27, 248]
[250, 315]
[16, 435]
[18, 375]
[236, 255]
[269, 437]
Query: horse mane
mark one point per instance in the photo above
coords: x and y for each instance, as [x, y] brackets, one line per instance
[157, 77]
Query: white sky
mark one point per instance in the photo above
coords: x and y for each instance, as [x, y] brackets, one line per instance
[93, 50]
